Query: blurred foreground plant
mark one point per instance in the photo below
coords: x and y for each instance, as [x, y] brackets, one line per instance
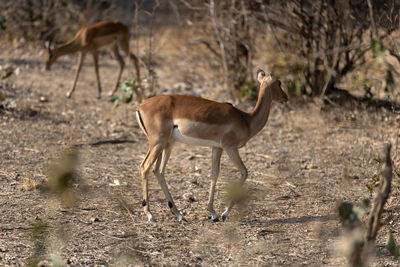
[392, 247]
[361, 237]
[236, 193]
[62, 176]
[38, 235]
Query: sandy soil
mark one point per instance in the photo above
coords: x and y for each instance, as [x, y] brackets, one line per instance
[300, 165]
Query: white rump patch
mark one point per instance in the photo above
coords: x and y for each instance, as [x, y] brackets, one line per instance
[177, 136]
[139, 120]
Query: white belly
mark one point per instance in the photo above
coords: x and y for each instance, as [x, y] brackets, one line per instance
[177, 136]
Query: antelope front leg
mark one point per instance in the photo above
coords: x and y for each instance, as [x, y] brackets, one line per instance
[233, 154]
[216, 159]
[121, 68]
[81, 58]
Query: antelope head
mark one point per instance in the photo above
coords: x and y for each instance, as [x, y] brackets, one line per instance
[268, 81]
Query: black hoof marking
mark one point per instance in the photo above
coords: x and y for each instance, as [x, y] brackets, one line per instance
[144, 203]
[215, 220]
[170, 204]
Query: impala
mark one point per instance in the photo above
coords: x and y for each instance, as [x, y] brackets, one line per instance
[89, 40]
[167, 119]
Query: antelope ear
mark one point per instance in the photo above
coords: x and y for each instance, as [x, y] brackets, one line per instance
[271, 78]
[260, 75]
[46, 42]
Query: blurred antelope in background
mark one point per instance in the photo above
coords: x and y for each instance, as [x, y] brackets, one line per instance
[167, 119]
[89, 40]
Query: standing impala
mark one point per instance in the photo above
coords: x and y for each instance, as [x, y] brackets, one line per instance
[89, 40]
[167, 119]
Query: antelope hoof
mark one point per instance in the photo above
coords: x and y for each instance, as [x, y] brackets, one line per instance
[224, 215]
[181, 218]
[68, 95]
[214, 218]
[98, 96]
[151, 218]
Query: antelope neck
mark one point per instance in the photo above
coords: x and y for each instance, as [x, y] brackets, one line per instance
[65, 49]
[258, 117]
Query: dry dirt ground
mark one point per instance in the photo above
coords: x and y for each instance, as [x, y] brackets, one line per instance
[300, 166]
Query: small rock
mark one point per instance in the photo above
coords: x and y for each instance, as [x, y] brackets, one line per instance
[32, 113]
[182, 86]
[94, 219]
[11, 105]
[43, 99]
[282, 168]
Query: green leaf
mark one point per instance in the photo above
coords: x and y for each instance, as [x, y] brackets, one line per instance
[292, 86]
[345, 210]
[116, 104]
[113, 99]
[368, 92]
[389, 82]
[39, 227]
[391, 246]
[350, 214]
[250, 92]
[125, 86]
[128, 96]
[377, 47]
[370, 188]
[2, 22]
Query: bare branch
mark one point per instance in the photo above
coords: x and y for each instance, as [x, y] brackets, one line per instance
[152, 74]
[381, 198]
[394, 54]
[264, 12]
[219, 39]
[361, 246]
[371, 14]
[208, 45]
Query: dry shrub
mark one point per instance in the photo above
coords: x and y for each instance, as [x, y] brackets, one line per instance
[30, 183]
[329, 39]
[58, 19]
[227, 29]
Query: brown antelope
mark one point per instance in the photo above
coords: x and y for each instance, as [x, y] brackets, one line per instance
[89, 40]
[167, 119]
